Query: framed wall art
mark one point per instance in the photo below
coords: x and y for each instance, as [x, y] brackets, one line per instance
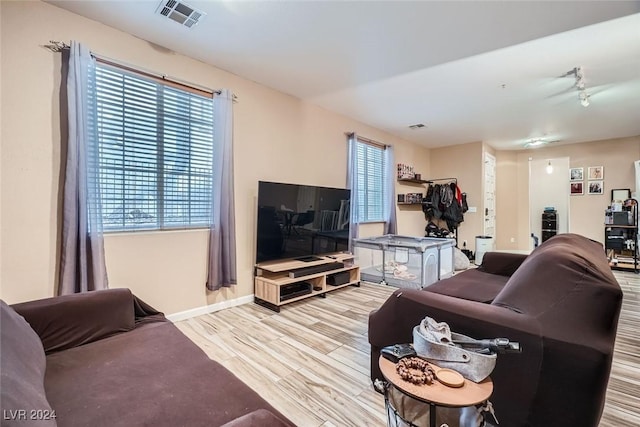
[596, 172]
[576, 189]
[576, 174]
[596, 187]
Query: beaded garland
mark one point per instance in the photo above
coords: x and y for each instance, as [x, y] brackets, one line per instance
[415, 370]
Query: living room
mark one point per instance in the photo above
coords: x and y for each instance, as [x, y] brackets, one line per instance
[276, 138]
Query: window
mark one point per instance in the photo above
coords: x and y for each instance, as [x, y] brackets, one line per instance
[155, 148]
[370, 182]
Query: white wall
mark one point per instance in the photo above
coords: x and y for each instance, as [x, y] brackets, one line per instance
[548, 190]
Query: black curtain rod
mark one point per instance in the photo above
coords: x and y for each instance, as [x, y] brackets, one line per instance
[58, 46]
[367, 140]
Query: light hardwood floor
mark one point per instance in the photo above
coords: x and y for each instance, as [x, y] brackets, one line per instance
[311, 360]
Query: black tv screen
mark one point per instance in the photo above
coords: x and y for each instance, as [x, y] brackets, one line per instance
[300, 221]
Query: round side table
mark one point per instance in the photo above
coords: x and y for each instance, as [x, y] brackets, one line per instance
[436, 394]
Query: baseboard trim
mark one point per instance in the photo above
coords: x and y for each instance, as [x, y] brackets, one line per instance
[198, 311]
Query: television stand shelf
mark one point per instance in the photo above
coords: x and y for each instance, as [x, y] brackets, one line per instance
[285, 281]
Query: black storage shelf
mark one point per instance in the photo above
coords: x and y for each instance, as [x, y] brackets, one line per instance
[615, 238]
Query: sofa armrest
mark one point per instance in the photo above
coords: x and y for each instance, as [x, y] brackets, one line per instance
[501, 263]
[515, 376]
[393, 322]
[71, 320]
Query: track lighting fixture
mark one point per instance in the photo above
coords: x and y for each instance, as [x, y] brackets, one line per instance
[584, 98]
[580, 85]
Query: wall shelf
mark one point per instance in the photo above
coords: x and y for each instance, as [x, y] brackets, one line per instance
[413, 180]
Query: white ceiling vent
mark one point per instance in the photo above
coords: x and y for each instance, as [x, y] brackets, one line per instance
[180, 12]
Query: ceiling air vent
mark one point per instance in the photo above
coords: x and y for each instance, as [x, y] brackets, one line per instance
[416, 126]
[180, 12]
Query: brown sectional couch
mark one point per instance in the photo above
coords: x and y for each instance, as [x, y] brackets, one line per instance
[561, 303]
[106, 358]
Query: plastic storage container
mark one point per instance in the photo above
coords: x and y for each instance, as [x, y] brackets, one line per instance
[402, 261]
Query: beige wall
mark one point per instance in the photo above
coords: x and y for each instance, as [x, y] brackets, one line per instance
[510, 203]
[411, 220]
[464, 162]
[586, 212]
[277, 138]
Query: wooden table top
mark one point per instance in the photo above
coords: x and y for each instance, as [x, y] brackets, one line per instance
[469, 394]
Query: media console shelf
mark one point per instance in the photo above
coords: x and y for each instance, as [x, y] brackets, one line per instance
[281, 282]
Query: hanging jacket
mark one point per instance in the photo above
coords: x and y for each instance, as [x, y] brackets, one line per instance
[436, 203]
[453, 212]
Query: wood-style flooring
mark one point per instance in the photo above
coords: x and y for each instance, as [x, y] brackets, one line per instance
[311, 360]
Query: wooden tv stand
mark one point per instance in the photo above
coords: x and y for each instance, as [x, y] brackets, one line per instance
[281, 282]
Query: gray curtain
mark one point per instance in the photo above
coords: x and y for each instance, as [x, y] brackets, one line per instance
[82, 263]
[352, 184]
[222, 235]
[389, 208]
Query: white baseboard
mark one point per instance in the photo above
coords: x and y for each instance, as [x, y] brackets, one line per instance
[193, 312]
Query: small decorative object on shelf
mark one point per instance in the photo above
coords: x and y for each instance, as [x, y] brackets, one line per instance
[405, 171]
[413, 198]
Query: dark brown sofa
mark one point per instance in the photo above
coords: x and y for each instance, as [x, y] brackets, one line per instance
[106, 358]
[561, 303]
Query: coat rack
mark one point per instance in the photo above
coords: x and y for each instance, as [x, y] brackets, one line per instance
[428, 203]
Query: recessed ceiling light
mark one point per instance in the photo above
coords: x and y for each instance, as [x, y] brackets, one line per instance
[180, 12]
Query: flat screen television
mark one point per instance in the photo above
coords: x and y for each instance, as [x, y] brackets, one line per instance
[301, 221]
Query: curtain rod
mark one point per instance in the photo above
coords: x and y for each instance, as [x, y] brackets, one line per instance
[367, 140]
[58, 46]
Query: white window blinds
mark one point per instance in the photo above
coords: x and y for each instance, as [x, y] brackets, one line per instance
[155, 145]
[370, 182]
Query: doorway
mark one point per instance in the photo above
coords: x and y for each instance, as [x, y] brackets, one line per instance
[489, 228]
[548, 190]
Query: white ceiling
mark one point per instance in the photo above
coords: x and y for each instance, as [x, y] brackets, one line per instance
[469, 70]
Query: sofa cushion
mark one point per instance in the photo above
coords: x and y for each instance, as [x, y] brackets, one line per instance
[472, 285]
[22, 364]
[71, 320]
[153, 373]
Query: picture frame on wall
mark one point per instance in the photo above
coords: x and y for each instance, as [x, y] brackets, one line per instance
[577, 189]
[596, 172]
[576, 174]
[596, 187]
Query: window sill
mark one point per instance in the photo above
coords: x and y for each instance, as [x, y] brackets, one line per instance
[164, 231]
